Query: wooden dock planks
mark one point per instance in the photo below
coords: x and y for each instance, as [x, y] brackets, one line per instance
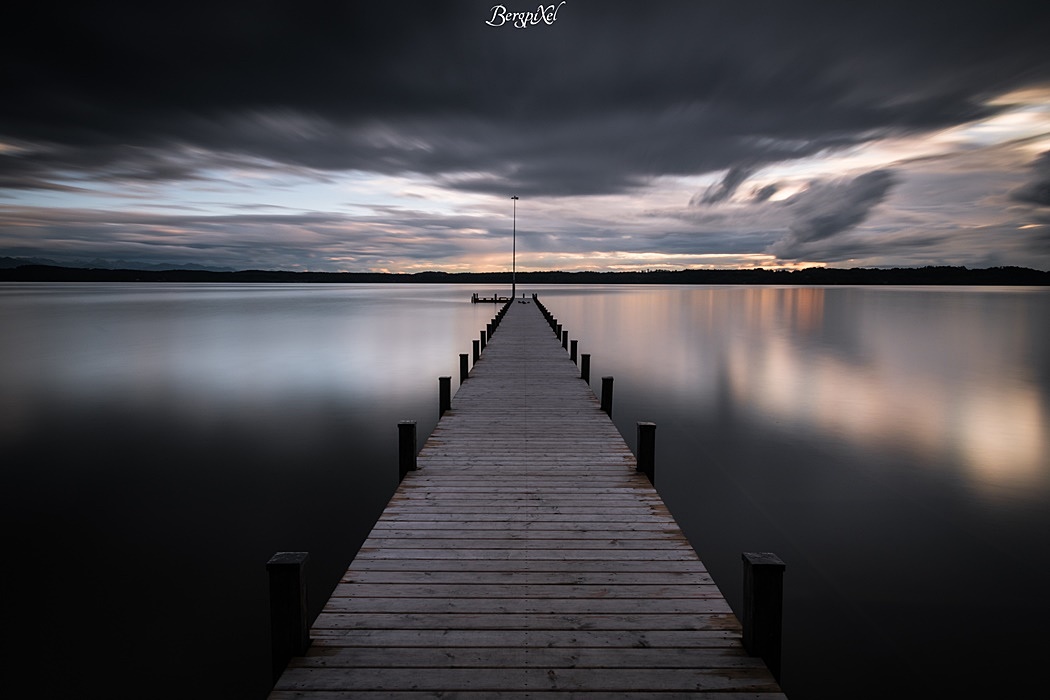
[526, 557]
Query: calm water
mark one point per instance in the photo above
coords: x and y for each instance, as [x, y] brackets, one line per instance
[162, 441]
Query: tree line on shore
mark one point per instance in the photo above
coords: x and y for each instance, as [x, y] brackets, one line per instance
[938, 275]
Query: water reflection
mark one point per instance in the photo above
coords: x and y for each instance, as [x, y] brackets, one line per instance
[947, 376]
[214, 352]
[889, 444]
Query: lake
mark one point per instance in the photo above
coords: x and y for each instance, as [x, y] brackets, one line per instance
[162, 441]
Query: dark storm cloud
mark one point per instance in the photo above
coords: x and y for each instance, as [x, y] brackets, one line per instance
[726, 188]
[610, 96]
[826, 210]
[248, 240]
[1036, 191]
[763, 193]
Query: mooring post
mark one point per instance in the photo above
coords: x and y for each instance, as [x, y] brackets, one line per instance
[763, 607]
[482, 340]
[464, 366]
[647, 450]
[289, 613]
[585, 367]
[406, 448]
[445, 384]
[477, 351]
[557, 330]
[565, 340]
[607, 389]
[573, 345]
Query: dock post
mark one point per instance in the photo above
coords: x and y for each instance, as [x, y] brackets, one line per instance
[406, 448]
[557, 330]
[585, 367]
[464, 366]
[647, 450]
[565, 340]
[477, 351]
[445, 384]
[289, 613]
[607, 389]
[482, 341]
[763, 607]
[573, 345]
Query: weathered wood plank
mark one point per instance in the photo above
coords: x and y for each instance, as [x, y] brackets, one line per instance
[484, 605]
[526, 516]
[576, 639]
[388, 694]
[573, 531]
[467, 588]
[616, 680]
[459, 553]
[547, 657]
[525, 621]
[530, 543]
[614, 580]
[518, 566]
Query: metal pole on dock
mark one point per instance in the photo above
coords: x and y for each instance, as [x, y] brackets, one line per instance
[514, 252]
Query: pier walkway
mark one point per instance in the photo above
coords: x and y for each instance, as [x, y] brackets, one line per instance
[525, 557]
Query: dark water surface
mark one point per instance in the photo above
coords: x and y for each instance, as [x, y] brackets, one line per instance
[160, 442]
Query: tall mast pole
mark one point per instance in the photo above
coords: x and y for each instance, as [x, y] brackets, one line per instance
[514, 253]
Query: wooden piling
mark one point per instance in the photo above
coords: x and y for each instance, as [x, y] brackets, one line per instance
[607, 395]
[573, 346]
[647, 450]
[289, 613]
[445, 400]
[585, 367]
[406, 447]
[763, 607]
[464, 366]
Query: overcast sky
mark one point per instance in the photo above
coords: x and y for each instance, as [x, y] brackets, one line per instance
[390, 135]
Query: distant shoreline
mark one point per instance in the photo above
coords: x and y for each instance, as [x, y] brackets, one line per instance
[992, 276]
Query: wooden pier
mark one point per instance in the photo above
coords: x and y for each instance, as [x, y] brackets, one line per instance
[526, 556]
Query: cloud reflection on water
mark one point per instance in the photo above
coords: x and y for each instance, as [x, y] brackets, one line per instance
[946, 375]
